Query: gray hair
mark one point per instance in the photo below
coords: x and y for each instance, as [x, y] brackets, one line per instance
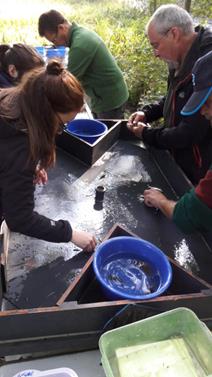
[170, 15]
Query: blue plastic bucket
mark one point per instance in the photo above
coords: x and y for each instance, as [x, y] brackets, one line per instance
[87, 129]
[131, 268]
[42, 51]
[60, 52]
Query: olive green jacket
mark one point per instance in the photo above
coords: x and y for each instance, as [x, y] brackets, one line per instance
[94, 66]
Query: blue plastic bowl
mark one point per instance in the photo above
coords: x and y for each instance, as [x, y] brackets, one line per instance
[42, 51]
[87, 129]
[131, 268]
[57, 52]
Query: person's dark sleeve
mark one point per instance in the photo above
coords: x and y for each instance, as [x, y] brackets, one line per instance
[191, 214]
[191, 130]
[5, 82]
[18, 206]
[154, 111]
[1, 213]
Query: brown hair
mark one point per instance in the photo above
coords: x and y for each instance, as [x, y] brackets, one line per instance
[23, 57]
[49, 21]
[37, 99]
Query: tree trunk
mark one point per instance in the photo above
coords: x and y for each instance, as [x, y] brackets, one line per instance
[187, 5]
[152, 6]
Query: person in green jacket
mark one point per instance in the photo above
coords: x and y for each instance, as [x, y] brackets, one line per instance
[193, 211]
[91, 62]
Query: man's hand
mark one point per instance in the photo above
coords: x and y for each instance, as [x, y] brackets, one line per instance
[137, 129]
[155, 198]
[135, 123]
[136, 117]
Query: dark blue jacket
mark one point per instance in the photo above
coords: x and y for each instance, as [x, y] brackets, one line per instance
[5, 80]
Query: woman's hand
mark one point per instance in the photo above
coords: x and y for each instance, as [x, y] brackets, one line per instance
[84, 240]
[41, 176]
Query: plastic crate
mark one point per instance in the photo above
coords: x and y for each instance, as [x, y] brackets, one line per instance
[172, 343]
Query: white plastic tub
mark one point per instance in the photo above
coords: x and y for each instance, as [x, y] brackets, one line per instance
[58, 372]
[27, 373]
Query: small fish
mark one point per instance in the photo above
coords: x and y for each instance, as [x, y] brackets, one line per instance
[155, 188]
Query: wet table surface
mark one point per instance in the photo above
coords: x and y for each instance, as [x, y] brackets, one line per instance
[125, 171]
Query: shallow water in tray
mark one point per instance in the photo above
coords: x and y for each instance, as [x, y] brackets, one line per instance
[132, 276]
[171, 357]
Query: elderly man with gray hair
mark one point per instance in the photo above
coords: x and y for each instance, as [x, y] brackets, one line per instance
[175, 40]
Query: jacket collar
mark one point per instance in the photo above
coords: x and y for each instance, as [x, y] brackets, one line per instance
[73, 26]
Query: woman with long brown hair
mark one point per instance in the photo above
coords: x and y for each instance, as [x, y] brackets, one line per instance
[16, 60]
[31, 115]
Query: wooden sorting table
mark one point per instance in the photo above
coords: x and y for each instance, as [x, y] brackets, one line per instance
[37, 317]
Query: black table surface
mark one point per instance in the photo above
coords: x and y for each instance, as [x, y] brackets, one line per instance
[125, 171]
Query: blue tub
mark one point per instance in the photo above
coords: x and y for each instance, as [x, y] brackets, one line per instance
[41, 51]
[87, 129]
[131, 268]
[60, 52]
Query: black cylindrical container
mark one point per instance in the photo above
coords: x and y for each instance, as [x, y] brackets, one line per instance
[100, 191]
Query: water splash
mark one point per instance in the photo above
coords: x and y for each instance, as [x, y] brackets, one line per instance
[184, 256]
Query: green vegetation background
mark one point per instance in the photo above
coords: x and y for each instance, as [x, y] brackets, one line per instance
[120, 23]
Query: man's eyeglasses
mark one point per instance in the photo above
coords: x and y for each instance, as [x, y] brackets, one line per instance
[156, 45]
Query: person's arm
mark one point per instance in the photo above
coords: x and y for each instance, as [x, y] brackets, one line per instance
[187, 133]
[155, 198]
[18, 210]
[19, 214]
[189, 213]
[17, 199]
[191, 130]
[149, 113]
[153, 111]
[204, 188]
[194, 210]
[84, 240]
